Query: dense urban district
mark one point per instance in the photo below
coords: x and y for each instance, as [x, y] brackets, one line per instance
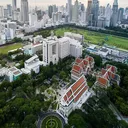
[63, 67]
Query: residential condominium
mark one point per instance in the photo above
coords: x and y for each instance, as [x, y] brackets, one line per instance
[74, 97]
[82, 67]
[107, 76]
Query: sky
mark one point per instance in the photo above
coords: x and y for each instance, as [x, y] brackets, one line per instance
[45, 3]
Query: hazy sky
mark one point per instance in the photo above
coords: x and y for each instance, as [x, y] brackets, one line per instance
[122, 3]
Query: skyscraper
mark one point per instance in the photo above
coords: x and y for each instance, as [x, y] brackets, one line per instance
[89, 13]
[108, 14]
[1, 12]
[95, 12]
[14, 4]
[24, 11]
[9, 7]
[69, 9]
[120, 14]
[50, 11]
[14, 9]
[114, 17]
[75, 13]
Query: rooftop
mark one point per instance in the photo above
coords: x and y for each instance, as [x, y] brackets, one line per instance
[75, 91]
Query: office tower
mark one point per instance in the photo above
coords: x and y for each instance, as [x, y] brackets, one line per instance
[5, 13]
[95, 12]
[108, 14]
[89, 13]
[54, 8]
[39, 14]
[114, 17]
[69, 10]
[24, 11]
[75, 13]
[14, 9]
[50, 11]
[32, 18]
[120, 15]
[82, 7]
[9, 7]
[102, 10]
[1, 12]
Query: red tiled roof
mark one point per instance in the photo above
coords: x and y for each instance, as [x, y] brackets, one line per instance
[78, 60]
[79, 89]
[65, 98]
[70, 98]
[86, 62]
[69, 93]
[77, 84]
[103, 71]
[76, 68]
[102, 81]
[90, 59]
[80, 94]
[81, 64]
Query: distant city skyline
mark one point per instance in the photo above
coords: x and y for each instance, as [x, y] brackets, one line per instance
[45, 3]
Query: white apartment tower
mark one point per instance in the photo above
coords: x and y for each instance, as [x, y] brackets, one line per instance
[50, 50]
[24, 11]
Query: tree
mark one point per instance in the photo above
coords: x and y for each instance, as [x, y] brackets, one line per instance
[29, 121]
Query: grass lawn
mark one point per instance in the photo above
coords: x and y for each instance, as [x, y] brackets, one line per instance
[51, 122]
[5, 49]
[95, 37]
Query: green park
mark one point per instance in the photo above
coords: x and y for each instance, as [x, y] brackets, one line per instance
[96, 37]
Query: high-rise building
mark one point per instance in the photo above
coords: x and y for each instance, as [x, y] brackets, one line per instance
[102, 10]
[95, 12]
[9, 7]
[114, 17]
[1, 12]
[5, 13]
[50, 11]
[24, 11]
[32, 18]
[89, 13]
[108, 14]
[75, 13]
[50, 50]
[120, 14]
[14, 9]
[14, 4]
[69, 10]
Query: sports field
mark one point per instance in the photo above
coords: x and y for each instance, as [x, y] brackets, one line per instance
[96, 38]
[5, 49]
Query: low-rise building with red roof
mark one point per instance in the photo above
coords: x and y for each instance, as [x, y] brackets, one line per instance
[82, 66]
[74, 97]
[107, 76]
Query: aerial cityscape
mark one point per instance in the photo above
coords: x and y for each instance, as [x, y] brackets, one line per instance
[64, 64]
